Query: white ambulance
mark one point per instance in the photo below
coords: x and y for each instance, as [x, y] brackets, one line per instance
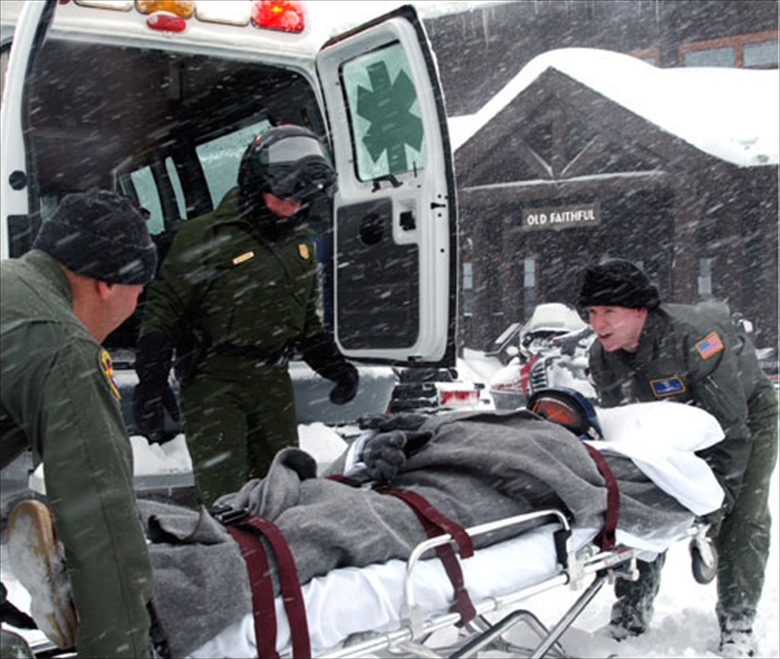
[158, 100]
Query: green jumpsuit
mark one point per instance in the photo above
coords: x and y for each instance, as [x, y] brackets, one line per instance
[58, 397]
[251, 298]
[693, 354]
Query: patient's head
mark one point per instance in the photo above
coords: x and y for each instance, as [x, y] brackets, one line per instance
[568, 408]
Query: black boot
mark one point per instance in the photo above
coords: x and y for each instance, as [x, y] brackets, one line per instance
[633, 611]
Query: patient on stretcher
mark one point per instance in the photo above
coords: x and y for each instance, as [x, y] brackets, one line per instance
[470, 468]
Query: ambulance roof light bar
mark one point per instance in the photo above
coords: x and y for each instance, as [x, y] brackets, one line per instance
[170, 15]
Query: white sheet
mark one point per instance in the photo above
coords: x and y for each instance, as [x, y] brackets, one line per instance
[660, 440]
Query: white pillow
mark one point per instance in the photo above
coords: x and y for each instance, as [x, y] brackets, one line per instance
[662, 424]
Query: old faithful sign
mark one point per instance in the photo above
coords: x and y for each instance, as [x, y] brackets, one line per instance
[561, 217]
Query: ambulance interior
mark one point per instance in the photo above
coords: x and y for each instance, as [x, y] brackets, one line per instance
[164, 128]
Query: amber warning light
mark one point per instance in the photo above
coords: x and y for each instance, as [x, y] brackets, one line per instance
[179, 8]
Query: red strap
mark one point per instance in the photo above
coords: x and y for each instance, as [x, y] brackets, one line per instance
[436, 524]
[606, 538]
[263, 607]
[288, 580]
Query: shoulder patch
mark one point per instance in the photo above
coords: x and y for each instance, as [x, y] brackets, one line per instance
[667, 386]
[303, 251]
[710, 345]
[104, 359]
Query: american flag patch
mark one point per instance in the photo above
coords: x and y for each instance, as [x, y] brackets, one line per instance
[709, 345]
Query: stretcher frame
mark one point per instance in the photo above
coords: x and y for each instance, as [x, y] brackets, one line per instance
[481, 634]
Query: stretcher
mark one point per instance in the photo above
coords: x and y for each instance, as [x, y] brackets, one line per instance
[396, 607]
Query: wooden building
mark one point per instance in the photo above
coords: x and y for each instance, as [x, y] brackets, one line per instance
[564, 175]
[480, 49]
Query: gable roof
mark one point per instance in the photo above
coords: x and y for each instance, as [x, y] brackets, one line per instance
[731, 114]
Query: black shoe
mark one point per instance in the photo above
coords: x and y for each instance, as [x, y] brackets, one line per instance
[619, 632]
[737, 644]
[628, 620]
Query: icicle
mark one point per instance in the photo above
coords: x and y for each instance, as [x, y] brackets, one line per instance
[485, 30]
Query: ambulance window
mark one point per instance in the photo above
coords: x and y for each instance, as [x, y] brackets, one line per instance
[149, 199]
[4, 54]
[173, 177]
[221, 157]
[47, 205]
[385, 120]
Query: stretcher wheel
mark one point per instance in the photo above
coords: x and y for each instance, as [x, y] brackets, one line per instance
[703, 571]
[14, 645]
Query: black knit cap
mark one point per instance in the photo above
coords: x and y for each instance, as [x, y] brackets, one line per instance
[101, 235]
[617, 283]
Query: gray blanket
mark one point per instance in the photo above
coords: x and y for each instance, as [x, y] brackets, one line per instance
[478, 467]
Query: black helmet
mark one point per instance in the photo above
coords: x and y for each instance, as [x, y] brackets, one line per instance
[290, 162]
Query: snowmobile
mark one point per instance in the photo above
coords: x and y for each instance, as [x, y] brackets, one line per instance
[551, 351]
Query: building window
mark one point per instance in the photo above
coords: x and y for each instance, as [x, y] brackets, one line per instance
[709, 57]
[468, 289]
[756, 51]
[760, 54]
[649, 55]
[706, 269]
[530, 281]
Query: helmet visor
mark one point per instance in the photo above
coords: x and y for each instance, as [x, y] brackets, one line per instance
[298, 168]
[291, 149]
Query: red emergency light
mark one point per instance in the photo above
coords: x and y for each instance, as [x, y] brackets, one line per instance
[458, 397]
[283, 15]
[166, 22]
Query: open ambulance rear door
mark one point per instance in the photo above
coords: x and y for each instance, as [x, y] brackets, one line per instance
[394, 240]
[395, 211]
[16, 231]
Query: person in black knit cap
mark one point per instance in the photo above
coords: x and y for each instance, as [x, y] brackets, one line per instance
[58, 303]
[646, 351]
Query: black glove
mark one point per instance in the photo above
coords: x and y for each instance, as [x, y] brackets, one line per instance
[407, 422]
[346, 387]
[153, 395]
[399, 437]
[322, 354]
[384, 455]
[13, 616]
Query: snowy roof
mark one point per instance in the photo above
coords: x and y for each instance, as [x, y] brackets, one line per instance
[341, 15]
[733, 114]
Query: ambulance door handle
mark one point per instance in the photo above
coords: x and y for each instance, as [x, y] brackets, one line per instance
[407, 221]
[17, 180]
